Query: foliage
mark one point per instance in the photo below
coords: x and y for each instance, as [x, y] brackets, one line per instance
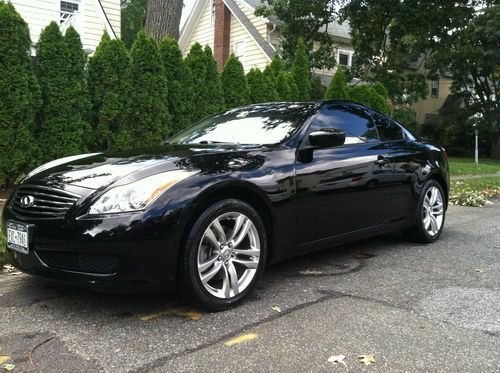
[406, 116]
[317, 88]
[300, 72]
[367, 95]
[338, 88]
[180, 85]
[109, 88]
[3, 254]
[276, 65]
[307, 20]
[473, 59]
[20, 96]
[400, 32]
[234, 83]
[61, 129]
[195, 61]
[260, 88]
[133, 15]
[474, 192]
[283, 89]
[212, 80]
[149, 117]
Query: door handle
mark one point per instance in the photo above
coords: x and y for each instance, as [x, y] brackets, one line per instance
[381, 160]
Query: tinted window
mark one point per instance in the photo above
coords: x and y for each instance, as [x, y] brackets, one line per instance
[355, 122]
[257, 124]
[387, 129]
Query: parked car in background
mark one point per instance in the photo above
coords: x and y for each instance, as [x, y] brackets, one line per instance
[207, 210]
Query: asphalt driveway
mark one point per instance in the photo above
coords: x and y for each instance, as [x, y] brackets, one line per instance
[429, 308]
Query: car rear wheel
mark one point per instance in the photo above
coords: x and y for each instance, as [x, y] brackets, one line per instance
[430, 214]
[224, 255]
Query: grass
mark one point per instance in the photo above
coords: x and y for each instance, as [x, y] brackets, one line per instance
[466, 166]
[3, 259]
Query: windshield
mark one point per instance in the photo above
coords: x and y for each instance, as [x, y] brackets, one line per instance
[256, 124]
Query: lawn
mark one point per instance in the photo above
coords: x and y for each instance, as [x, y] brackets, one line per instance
[466, 166]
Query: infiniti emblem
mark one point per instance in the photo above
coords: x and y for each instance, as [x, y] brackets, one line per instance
[27, 201]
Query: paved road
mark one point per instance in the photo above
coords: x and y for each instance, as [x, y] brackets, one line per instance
[415, 308]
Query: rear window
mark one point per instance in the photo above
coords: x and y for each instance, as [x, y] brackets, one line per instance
[388, 130]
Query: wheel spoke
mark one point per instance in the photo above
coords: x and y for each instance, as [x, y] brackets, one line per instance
[427, 223]
[202, 267]
[251, 264]
[434, 224]
[226, 283]
[220, 231]
[237, 225]
[209, 234]
[250, 252]
[243, 232]
[434, 193]
[233, 278]
[210, 274]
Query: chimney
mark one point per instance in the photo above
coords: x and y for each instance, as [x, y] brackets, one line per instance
[222, 28]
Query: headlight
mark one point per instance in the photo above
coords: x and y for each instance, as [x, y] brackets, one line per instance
[57, 162]
[137, 195]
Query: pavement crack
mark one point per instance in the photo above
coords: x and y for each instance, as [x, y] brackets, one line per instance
[327, 295]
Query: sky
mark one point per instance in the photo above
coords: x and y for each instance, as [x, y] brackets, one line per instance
[188, 5]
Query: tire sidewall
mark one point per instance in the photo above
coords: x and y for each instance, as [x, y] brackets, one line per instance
[199, 293]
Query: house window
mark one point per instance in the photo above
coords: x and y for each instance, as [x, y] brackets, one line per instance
[435, 88]
[344, 59]
[239, 50]
[68, 8]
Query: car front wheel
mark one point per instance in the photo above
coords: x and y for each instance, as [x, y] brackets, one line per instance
[224, 255]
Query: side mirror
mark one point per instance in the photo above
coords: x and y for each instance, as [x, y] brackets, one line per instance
[326, 137]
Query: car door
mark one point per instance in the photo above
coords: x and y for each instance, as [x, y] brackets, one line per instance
[405, 156]
[344, 188]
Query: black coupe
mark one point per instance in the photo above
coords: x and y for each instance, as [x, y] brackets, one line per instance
[207, 210]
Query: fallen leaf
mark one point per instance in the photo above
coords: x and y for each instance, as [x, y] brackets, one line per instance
[367, 359]
[480, 270]
[310, 272]
[277, 309]
[337, 359]
[176, 311]
[4, 358]
[240, 339]
[8, 367]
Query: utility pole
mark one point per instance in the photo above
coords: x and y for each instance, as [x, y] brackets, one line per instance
[476, 150]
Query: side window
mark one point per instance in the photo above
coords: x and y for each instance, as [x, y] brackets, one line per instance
[387, 129]
[355, 122]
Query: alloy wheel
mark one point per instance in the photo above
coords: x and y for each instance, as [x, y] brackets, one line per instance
[228, 255]
[433, 210]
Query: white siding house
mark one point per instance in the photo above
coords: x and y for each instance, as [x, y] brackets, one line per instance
[89, 17]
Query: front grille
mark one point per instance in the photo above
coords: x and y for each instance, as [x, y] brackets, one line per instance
[78, 262]
[49, 203]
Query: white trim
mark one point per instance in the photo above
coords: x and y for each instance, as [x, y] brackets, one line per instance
[349, 57]
[188, 28]
[100, 12]
[248, 32]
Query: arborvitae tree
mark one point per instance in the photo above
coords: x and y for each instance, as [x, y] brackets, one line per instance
[78, 93]
[367, 95]
[283, 87]
[180, 85]
[234, 83]
[195, 61]
[19, 96]
[149, 117]
[59, 129]
[271, 81]
[317, 88]
[338, 88]
[300, 72]
[214, 86]
[277, 65]
[260, 88]
[294, 90]
[109, 87]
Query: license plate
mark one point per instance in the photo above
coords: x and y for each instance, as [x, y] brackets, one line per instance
[18, 237]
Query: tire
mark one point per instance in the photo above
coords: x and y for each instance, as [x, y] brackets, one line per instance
[219, 267]
[428, 226]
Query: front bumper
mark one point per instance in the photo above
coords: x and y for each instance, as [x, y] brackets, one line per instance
[122, 253]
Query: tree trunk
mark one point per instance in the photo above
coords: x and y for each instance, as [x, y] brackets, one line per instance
[163, 18]
[495, 145]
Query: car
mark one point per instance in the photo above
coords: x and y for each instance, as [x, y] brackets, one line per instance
[206, 211]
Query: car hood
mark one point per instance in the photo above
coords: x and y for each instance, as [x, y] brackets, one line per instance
[98, 170]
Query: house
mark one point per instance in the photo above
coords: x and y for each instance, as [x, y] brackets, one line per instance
[230, 26]
[89, 17]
